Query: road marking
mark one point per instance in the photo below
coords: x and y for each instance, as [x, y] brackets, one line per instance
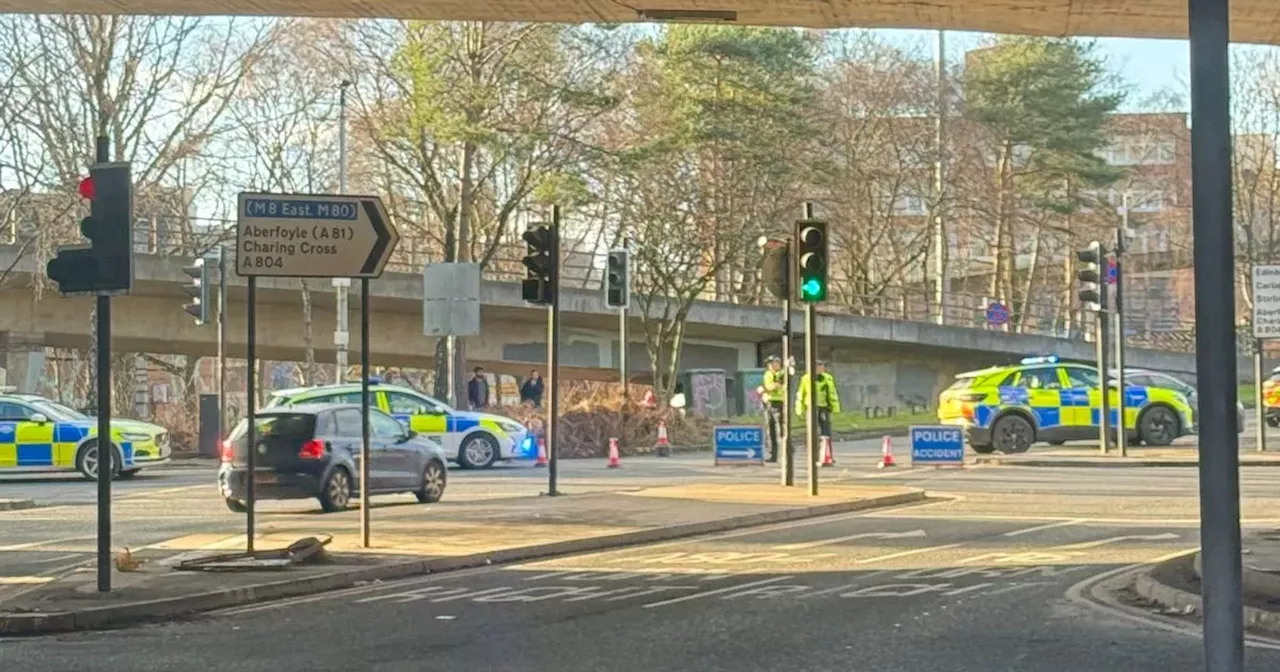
[1050, 526]
[837, 540]
[24, 580]
[1111, 540]
[720, 591]
[46, 542]
[903, 554]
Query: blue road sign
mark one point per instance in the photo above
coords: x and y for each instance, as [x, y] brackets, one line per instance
[739, 444]
[997, 314]
[937, 445]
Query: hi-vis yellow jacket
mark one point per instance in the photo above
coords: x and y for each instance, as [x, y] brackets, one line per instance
[828, 397]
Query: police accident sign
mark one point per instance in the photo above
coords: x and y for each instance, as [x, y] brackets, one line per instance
[939, 445]
[306, 236]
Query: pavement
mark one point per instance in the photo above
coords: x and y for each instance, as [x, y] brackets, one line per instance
[941, 585]
[49, 584]
[1088, 455]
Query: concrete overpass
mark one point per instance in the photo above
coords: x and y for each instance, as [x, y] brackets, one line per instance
[1251, 20]
[891, 358]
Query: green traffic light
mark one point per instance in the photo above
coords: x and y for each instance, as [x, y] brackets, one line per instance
[811, 290]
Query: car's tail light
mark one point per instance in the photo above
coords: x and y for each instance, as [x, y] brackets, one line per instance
[226, 452]
[967, 411]
[312, 450]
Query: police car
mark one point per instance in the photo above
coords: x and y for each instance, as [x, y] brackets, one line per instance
[1008, 408]
[473, 440]
[39, 434]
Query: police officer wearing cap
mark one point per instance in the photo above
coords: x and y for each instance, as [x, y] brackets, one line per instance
[772, 391]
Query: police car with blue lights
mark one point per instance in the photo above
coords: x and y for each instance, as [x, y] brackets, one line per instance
[1043, 399]
[39, 435]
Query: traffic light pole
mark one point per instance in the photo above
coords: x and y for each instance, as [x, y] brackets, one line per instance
[1104, 388]
[1122, 441]
[1259, 399]
[553, 356]
[811, 370]
[786, 454]
[106, 450]
[365, 451]
[251, 439]
[222, 343]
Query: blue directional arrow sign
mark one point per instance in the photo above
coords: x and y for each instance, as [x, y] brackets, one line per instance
[739, 444]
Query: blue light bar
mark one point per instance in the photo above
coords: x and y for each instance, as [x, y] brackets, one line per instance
[1046, 359]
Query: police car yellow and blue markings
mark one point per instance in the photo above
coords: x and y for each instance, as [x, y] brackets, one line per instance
[1051, 415]
[49, 444]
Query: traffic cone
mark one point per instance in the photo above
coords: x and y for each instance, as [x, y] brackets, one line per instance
[886, 456]
[663, 448]
[828, 459]
[542, 453]
[613, 454]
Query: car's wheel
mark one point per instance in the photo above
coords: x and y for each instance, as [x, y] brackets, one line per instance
[983, 450]
[434, 477]
[1012, 434]
[478, 451]
[87, 461]
[129, 473]
[1158, 426]
[336, 493]
[235, 505]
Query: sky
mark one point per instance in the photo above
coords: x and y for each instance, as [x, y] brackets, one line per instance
[1146, 66]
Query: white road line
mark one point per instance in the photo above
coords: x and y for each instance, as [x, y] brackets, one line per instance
[1050, 526]
[1166, 536]
[903, 554]
[850, 537]
[719, 591]
[864, 578]
[46, 542]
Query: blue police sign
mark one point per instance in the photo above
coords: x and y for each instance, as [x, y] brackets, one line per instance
[739, 444]
[937, 445]
[997, 314]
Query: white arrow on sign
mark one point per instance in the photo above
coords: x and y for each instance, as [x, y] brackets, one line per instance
[1112, 540]
[308, 236]
[865, 535]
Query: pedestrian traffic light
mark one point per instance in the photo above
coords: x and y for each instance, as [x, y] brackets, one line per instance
[198, 289]
[617, 279]
[811, 257]
[539, 286]
[105, 266]
[1093, 293]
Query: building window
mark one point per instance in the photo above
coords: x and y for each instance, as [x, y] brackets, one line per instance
[906, 205]
[1140, 152]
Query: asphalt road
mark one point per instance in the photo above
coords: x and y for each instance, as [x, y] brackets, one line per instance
[930, 587]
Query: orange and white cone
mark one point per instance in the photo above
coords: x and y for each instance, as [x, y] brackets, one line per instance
[663, 447]
[613, 454]
[542, 453]
[886, 453]
[828, 458]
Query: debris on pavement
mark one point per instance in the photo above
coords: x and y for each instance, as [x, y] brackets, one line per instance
[309, 549]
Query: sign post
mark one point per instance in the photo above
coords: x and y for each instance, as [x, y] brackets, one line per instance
[938, 446]
[312, 236]
[1266, 326]
[738, 444]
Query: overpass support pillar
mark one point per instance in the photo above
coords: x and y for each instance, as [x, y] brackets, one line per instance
[23, 359]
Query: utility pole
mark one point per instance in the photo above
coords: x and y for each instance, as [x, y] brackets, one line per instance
[939, 180]
[785, 453]
[222, 342]
[341, 334]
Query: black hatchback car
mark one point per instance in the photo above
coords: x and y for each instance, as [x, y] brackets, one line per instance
[314, 451]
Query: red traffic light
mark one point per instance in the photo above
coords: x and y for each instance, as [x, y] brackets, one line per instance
[86, 188]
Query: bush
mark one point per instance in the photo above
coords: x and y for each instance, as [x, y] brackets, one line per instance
[592, 413]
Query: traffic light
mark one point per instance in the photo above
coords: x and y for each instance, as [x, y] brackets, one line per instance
[1093, 293]
[539, 286]
[811, 257]
[105, 266]
[201, 274]
[617, 279]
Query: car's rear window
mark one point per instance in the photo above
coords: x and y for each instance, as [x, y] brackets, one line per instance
[278, 424]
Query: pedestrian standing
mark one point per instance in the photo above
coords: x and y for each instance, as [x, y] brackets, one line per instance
[531, 390]
[478, 389]
[772, 390]
[828, 399]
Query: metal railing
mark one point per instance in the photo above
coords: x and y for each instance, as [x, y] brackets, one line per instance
[578, 271]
